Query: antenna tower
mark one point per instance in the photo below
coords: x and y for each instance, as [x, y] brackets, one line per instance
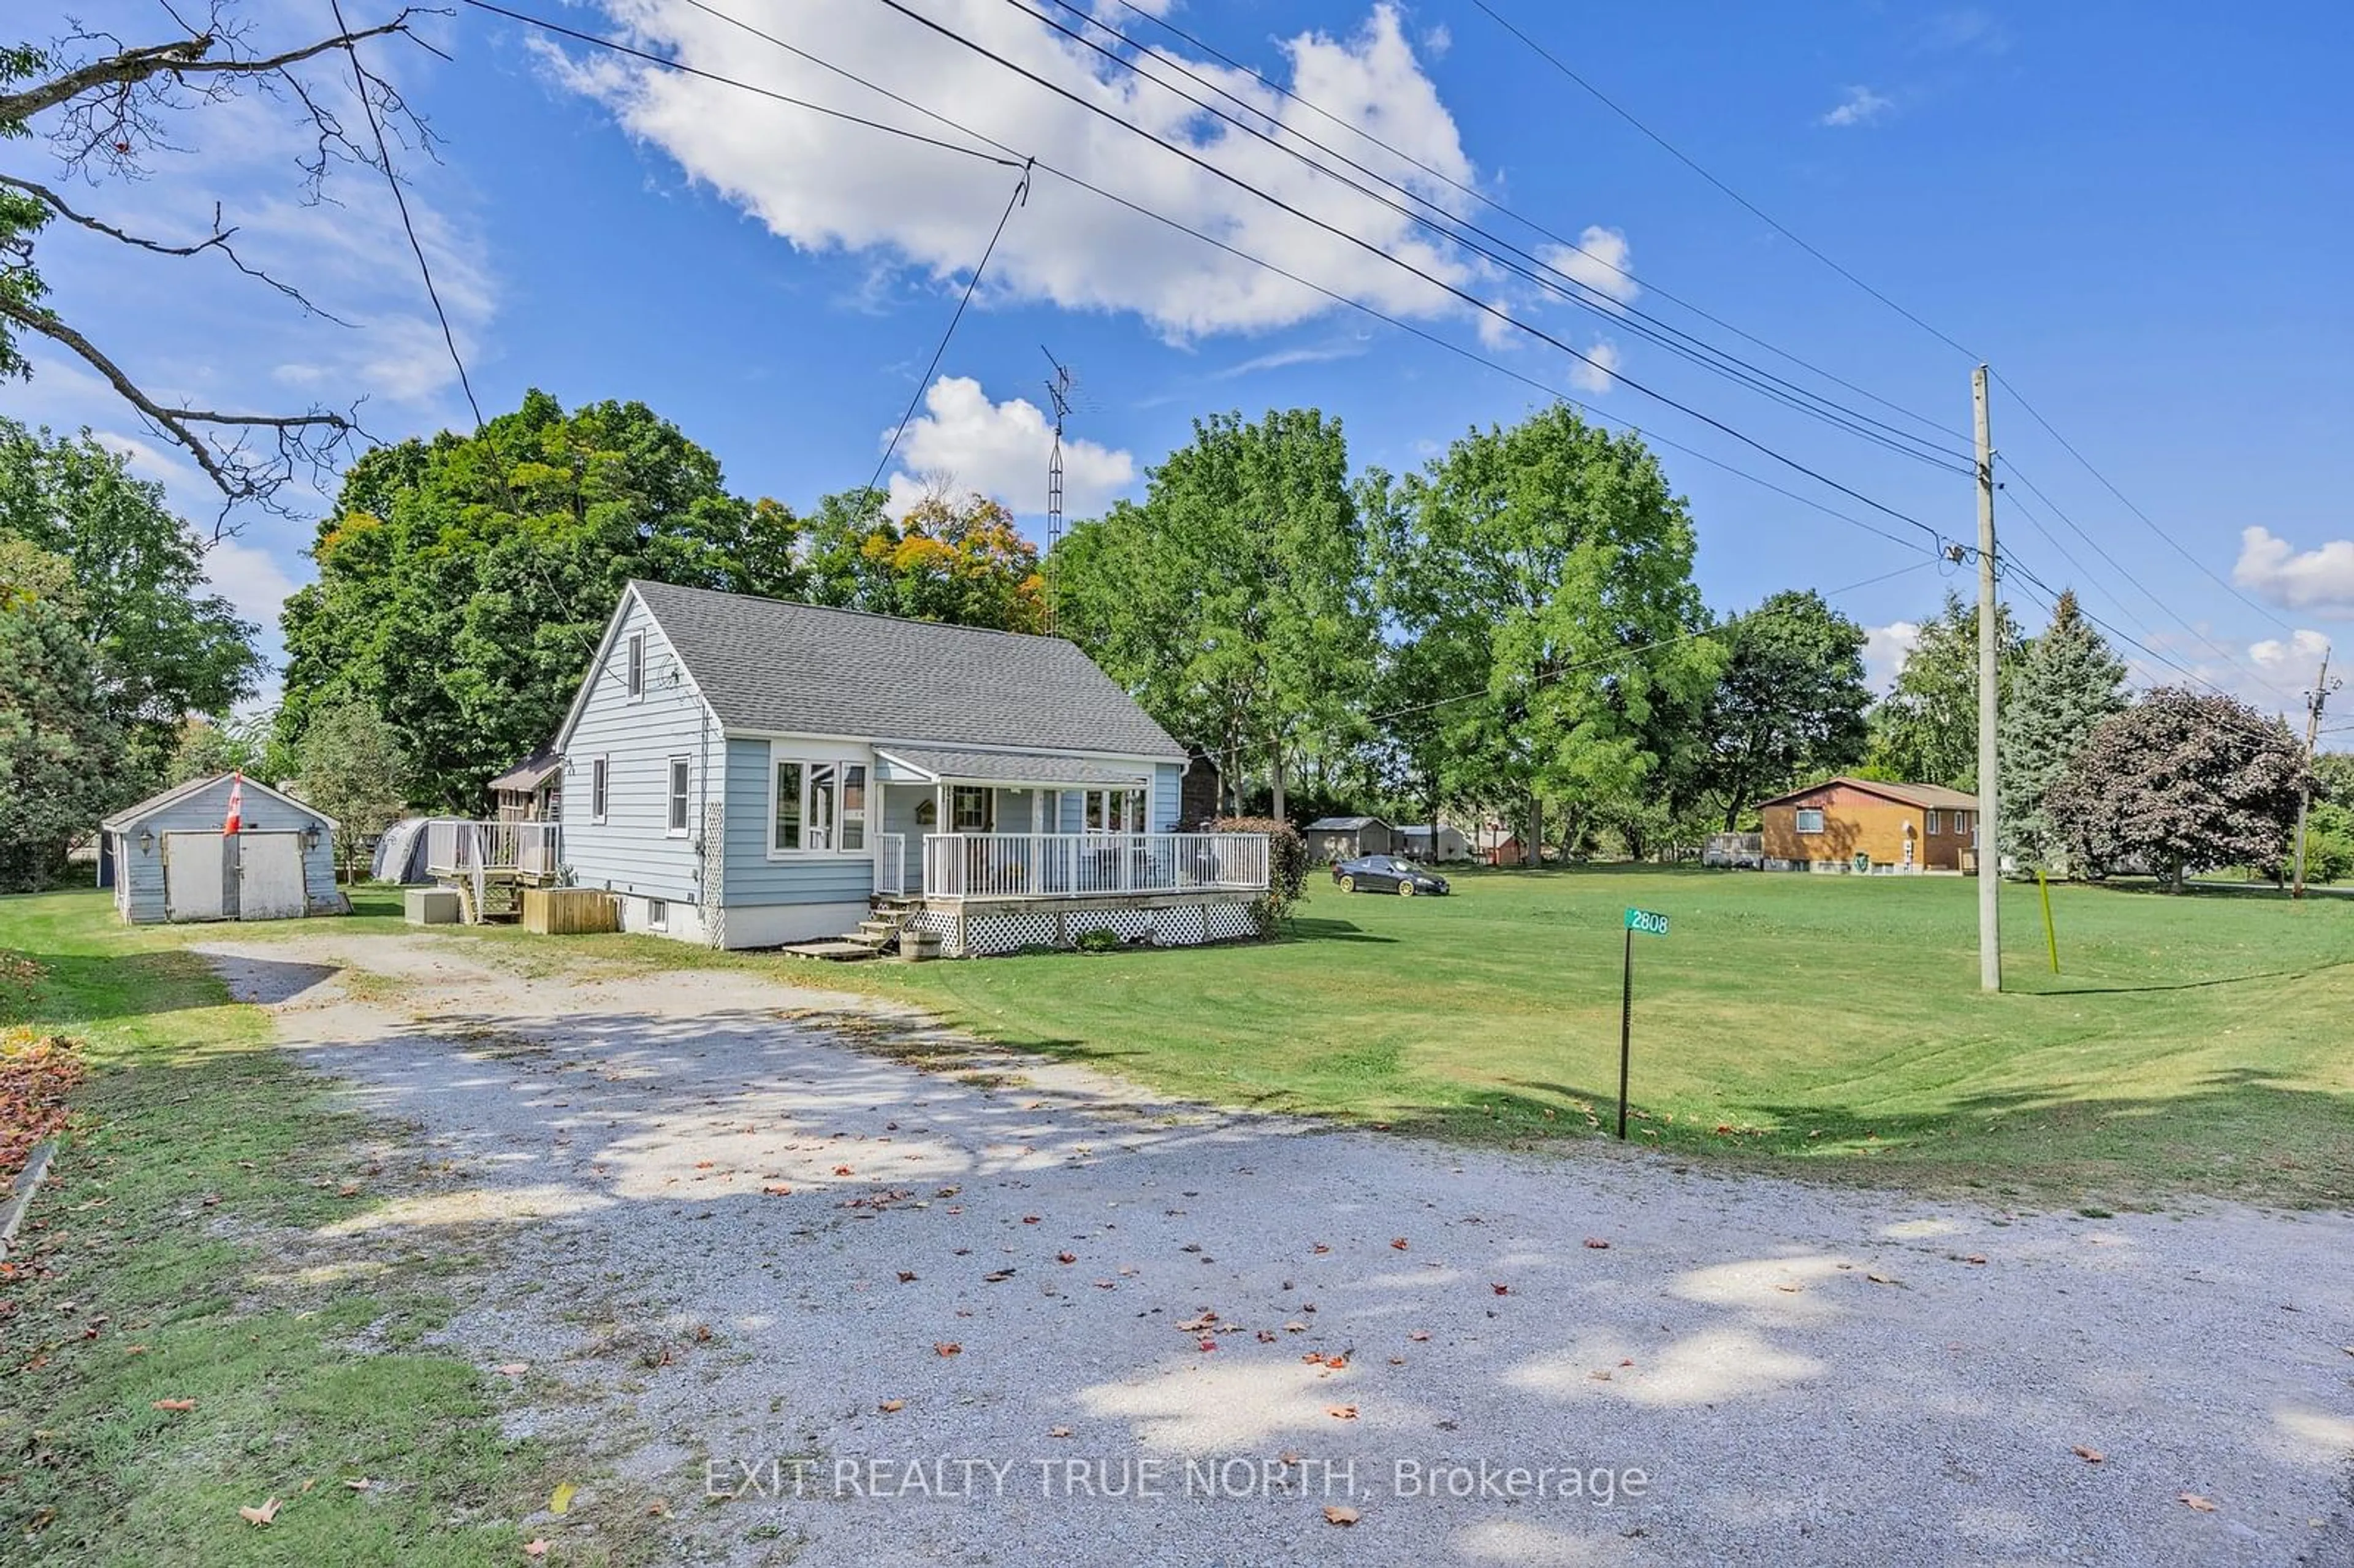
[1058, 392]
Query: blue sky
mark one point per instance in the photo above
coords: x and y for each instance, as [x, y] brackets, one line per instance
[2137, 213]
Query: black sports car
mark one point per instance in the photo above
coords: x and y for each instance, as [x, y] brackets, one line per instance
[1386, 873]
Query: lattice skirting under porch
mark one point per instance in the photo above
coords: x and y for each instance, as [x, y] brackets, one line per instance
[1009, 931]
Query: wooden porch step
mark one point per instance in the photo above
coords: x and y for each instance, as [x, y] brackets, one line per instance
[838, 951]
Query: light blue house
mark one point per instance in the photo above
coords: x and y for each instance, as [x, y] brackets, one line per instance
[746, 773]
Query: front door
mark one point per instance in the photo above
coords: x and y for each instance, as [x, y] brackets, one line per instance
[270, 876]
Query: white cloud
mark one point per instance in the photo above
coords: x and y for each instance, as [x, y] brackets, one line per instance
[250, 577]
[2319, 581]
[1600, 260]
[1283, 358]
[1885, 649]
[1861, 106]
[1592, 374]
[1001, 449]
[2303, 649]
[827, 186]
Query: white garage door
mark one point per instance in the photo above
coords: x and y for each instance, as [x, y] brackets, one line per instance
[192, 875]
[270, 876]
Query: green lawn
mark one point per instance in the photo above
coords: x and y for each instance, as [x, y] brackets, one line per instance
[158, 1268]
[2194, 1043]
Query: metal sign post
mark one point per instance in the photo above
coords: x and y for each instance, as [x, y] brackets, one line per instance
[1652, 925]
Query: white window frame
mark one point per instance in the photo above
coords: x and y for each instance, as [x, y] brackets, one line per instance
[827, 777]
[633, 667]
[959, 794]
[657, 913]
[1798, 820]
[1115, 811]
[678, 811]
[1961, 821]
[600, 788]
[1936, 821]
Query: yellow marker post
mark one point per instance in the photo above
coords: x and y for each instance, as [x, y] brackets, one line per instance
[2050, 937]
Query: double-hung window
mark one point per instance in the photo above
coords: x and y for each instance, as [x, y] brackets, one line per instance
[1937, 823]
[1115, 811]
[1811, 819]
[819, 808]
[600, 776]
[636, 673]
[680, 777]
[968, 808]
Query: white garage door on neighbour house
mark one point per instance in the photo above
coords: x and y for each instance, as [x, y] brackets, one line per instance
[270, 876]
[194, 881]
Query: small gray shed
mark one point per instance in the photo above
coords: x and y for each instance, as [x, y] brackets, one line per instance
[171, 859]
[1346, 838]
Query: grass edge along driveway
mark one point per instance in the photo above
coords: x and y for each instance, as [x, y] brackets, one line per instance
[176, 1342]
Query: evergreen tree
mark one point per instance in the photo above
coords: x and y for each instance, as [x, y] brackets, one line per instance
[2066, 684]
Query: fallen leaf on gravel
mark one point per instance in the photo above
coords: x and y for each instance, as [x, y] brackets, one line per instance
[1067, 1258]
[1973, 1257]
[1058, 1432]
[1418, 1335]
[2196, 1503]
[948, 1347]
[1884, 1280]
[512, 1369]
[842, 1169]
[1336, 1363]
[1287, 1458]
[1598, 1244]
[657, 1509]
[1502, 1289]
[1267, 1336]
[1335, 1514]
[2090, 1455]
[1196, 1324]
[359, 1483]
[1295, 1327]
[778, 1191]
[1399, 1242]
[907, 1276]
[560, 1500]
[1398, 1360]
[1029, 1219]
[1601, 1374]
[176, 1404]
[1208, 1343]
[1789, 1290]
[535, 1549]
[997, 1277]
[891, 1405]
[269, 1510]
[702, 1165]
[1320, 1246]
[1341, 1412]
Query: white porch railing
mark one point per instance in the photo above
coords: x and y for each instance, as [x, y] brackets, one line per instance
[891, 863]
[1088, 865]
[457, 847]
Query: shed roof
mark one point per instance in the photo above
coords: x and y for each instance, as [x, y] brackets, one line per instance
[1931, 796]
[123, 819]
[532, 771]
[766, 666]
[1344, 824]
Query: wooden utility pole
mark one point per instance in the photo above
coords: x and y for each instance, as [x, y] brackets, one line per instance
[2314, 701]
[1990, 850]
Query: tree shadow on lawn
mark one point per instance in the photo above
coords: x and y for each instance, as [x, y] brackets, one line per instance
[1309, 928]
[80, 989]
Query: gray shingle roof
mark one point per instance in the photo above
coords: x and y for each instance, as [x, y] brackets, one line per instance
[1010, 768]
[766, 666]
[1343, 824]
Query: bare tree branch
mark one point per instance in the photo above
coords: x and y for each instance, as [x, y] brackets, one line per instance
[217, 241]
[183, 58]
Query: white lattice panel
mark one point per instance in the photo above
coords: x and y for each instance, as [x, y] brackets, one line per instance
[1008, 933]
[1228, 922]
[1178, 927]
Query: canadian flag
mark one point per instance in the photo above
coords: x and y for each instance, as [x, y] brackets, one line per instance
[236, 823]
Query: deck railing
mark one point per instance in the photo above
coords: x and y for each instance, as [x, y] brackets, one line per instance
[457, 847]
[1089, 865]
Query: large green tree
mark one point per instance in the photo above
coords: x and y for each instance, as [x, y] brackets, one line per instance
[60, 749]
[465, 580]
[1548, 567]
[2179, 781]
[1234, 600]
[2066, 682]
[1925, 731]
[163, 645]
[356, 771]
[1789, 706]
[950, 557]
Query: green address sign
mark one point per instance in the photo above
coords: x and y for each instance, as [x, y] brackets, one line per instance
[1647, 922]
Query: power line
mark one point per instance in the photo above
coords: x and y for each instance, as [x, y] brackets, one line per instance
[1372, 313]
[400, 200]
[1021, 195]
[1778, 227]
[1464, 295]
[1532, 224]
[1448, 225]
[682, 68]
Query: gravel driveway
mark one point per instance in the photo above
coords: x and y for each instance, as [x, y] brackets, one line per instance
[999, 1311]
